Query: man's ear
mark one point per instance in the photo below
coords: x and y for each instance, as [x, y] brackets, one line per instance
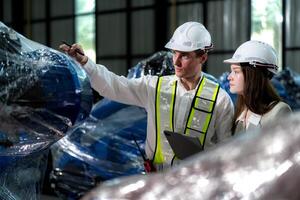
[203, 58]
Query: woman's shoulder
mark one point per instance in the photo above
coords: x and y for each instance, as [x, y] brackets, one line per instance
[282, 106]
[279, 110]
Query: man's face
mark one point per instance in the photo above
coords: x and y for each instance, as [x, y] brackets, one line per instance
[187, 64]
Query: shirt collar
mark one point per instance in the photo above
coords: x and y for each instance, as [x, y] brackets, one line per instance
[179, 81]
[253, 118]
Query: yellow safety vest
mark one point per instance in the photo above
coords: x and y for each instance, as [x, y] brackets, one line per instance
[198, 120]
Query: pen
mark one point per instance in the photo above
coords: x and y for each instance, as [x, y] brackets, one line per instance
[77, 51]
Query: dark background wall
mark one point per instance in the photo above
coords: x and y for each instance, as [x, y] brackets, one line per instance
[127, 31]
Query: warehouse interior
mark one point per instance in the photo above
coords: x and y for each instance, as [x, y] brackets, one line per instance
[121, 33]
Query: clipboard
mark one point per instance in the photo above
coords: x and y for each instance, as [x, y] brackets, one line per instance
[182, 145]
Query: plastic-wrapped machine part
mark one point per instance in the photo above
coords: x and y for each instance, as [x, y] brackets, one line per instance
[42, 93]
[261, 165]
[160, 64]
[21, 176]
[99, 149]
[33, 75]
[287, 85]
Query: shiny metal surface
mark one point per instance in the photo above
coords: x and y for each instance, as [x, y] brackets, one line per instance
[257, 165]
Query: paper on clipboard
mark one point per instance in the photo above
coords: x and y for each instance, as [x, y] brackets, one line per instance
[183, 145]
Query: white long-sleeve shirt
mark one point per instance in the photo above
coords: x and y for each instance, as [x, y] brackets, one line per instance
[141, 92]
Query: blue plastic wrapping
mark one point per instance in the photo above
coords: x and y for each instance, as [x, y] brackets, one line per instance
[98, 150]
[160, 63]
[287, 85]
[42, 93]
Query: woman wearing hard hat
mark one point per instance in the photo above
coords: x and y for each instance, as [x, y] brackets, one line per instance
[252, 66]
[186, 102]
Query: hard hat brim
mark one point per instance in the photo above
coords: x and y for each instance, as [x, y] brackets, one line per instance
[177, 47]
[232, 61]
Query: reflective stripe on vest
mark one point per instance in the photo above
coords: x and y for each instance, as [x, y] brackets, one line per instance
[164, 109]
[199, 116]
[202, 109]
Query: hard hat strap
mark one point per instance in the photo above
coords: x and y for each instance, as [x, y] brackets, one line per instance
[259, 64]
[208, 48]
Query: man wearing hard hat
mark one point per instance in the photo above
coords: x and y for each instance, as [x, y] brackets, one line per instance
[186, 102]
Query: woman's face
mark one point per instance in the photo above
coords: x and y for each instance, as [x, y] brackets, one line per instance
[236, 79]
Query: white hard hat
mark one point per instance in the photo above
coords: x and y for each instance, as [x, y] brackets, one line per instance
[256, 53]
[190, 36]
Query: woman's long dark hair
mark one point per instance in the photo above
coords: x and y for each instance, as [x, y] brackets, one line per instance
[259, 94]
